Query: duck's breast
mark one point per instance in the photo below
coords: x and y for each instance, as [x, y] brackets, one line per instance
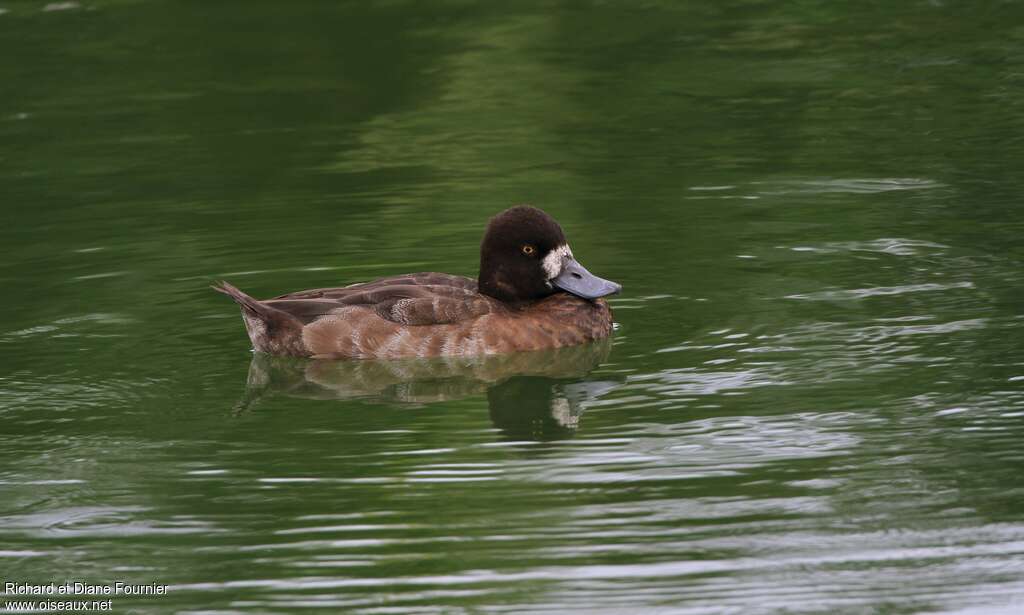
[558, 321]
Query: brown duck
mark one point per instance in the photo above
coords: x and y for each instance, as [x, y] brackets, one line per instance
[531, 294]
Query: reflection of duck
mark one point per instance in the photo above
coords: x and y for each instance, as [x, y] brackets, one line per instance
[541, 408]
[531, 394]
[531, 294]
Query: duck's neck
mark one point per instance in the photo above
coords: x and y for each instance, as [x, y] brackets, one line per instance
[496, 286]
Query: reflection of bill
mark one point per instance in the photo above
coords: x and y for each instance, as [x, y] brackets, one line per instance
[542, 408]
[531, 394]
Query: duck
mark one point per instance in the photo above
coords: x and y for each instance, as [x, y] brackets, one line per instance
[530, 294]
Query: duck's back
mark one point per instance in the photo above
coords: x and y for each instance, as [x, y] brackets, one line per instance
[411, 299]
[414, 315]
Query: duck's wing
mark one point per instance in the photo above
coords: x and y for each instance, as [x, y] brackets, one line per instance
[409, 279]
[406, 300]
[434, 309]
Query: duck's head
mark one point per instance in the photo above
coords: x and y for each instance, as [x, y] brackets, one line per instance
[524, 256]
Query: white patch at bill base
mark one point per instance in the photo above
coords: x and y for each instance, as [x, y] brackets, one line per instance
[553, 262]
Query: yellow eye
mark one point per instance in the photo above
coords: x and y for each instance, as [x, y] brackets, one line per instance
[528, 250]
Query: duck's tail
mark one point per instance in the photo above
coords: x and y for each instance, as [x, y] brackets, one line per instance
[248, 304]
[270, 329]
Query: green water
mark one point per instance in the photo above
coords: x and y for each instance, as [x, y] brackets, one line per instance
[813, 402]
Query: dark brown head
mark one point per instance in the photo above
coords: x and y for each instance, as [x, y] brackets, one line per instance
[524, 256]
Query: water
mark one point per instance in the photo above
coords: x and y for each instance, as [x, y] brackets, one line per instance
[813, 401]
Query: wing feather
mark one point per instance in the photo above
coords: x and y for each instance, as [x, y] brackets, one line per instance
[432, 310]
[413, 299]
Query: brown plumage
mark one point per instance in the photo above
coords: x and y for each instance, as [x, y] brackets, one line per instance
[525, 261]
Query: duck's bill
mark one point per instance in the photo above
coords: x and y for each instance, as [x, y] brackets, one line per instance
[577, 280]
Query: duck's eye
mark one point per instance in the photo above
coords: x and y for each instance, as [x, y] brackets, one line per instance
[529, 250]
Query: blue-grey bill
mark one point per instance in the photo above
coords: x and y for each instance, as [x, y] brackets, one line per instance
[577, 280]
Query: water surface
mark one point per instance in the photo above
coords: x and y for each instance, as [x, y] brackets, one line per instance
[813, 401]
